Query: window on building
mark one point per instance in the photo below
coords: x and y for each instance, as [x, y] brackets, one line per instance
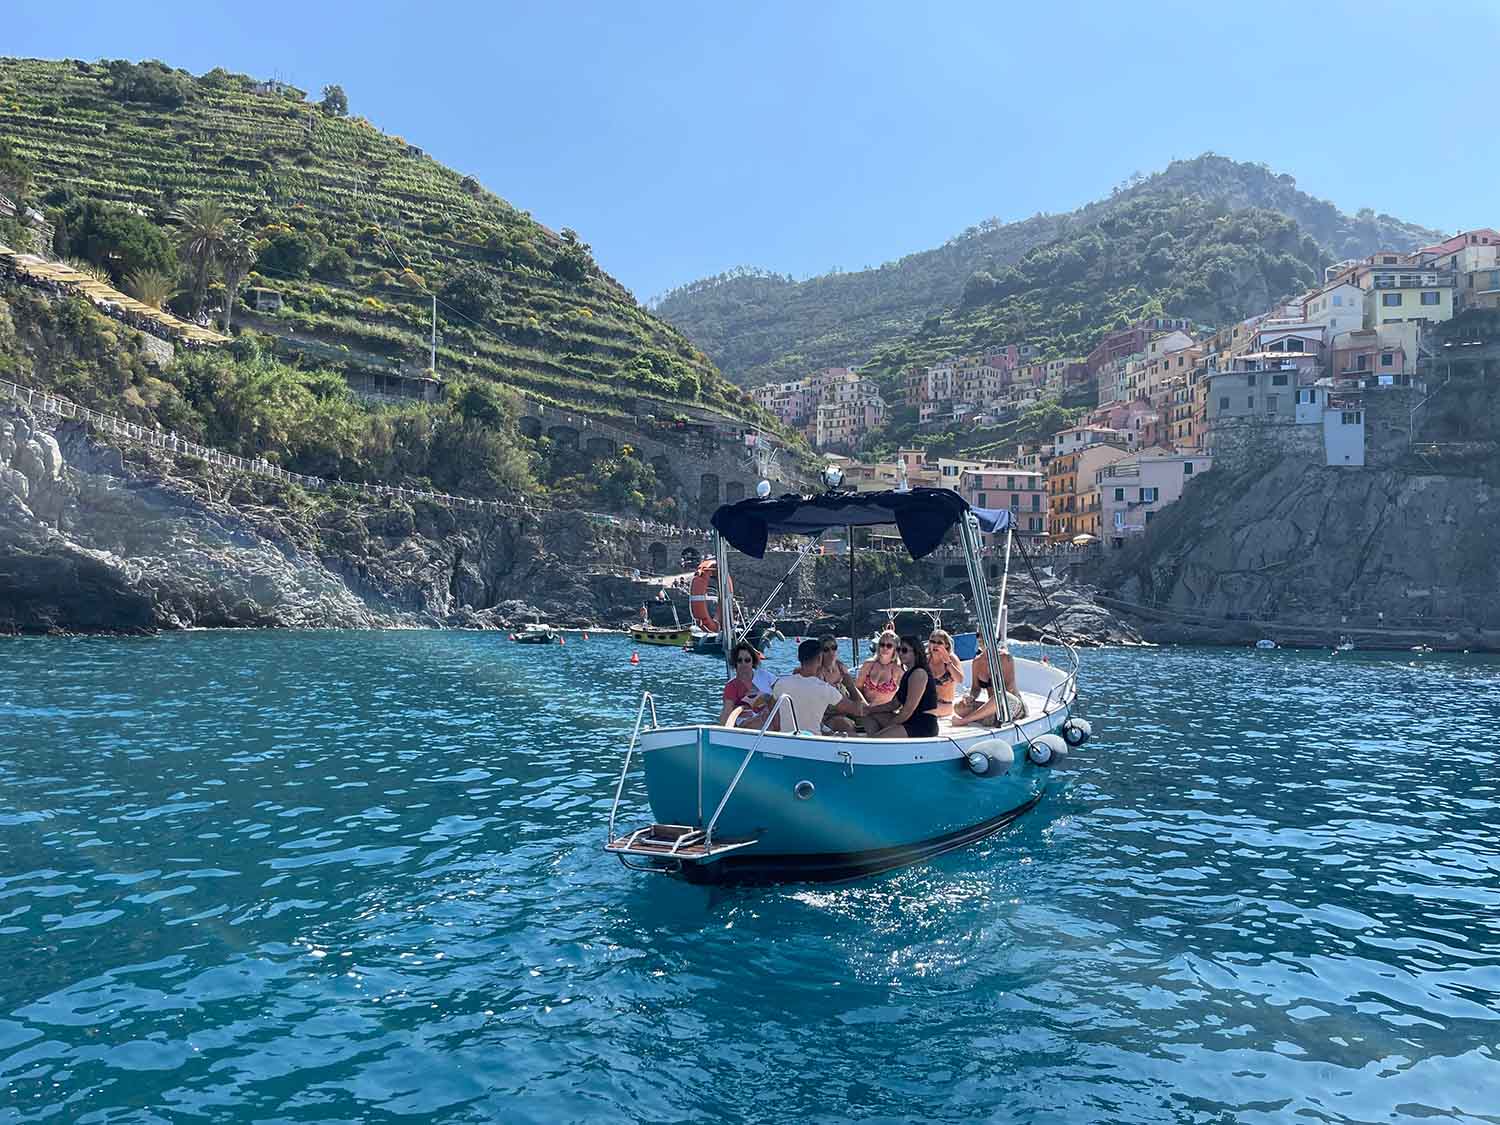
[1387, 359]
[1307, 397]
[1187, 468]
[1278, 380]
[1224, 403]
[1338, 300]
[1149, 514]
[1388, 261]
[1390, 300]
[1015, 501]
[1361, 362]
[1271, 404]
[984, 500]
[1036, 502]
[1148, 496]
[1351, 417]
[1431, 298]
[1119, 494]
[1250, 380]
[1250, 402]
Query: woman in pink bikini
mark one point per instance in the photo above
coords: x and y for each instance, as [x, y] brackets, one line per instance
[880, 676]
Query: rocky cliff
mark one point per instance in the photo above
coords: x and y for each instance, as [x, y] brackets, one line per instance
[93, 538]
[1303, 553]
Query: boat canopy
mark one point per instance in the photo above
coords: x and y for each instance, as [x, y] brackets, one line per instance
[922, 516]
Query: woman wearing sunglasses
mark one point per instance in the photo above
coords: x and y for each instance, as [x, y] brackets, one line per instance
[880, 675]
[741, 694]
[945, 668]
[912, 712]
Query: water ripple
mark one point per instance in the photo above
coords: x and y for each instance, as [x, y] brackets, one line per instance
[349, 877]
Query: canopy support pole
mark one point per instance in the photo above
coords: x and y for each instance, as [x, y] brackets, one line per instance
[983, 609]
[853, 644]
[726, 600]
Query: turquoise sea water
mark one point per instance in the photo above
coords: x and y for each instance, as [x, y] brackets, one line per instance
[357, 877]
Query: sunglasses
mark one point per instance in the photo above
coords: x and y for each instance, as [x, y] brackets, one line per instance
[887, 644]
[937, 644]
[831, 648]
[744, 660]
[904, 648]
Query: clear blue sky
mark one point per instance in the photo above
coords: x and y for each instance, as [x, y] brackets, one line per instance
[683, 138]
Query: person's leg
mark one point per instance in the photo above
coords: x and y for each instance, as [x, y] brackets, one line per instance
[895, 730]
[839, 724]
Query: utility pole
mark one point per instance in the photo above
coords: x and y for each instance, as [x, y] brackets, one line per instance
[432, 367]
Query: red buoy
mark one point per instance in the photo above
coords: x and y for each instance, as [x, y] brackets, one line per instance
[585, 636]
[562, 640]
[512, 636]
[635, 658]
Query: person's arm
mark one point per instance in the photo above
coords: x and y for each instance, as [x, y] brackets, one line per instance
[730, 706]
[854, 704]
[914, 689]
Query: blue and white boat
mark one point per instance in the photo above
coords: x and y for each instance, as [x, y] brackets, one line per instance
[759, 805]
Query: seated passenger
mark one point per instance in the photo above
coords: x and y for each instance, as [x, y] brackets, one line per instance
[813, 698]
[880, 675]
[833, 670]
[741, 694]
[969, 710]
[945, 668]
[912, 713]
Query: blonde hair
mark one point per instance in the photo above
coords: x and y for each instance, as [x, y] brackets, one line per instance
[942, 637]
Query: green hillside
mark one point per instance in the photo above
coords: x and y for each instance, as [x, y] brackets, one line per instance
[356, 229]
[760, 326]
[1157, 254]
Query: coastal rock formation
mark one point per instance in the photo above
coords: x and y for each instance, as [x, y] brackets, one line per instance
[1303, 553]
[96, 539]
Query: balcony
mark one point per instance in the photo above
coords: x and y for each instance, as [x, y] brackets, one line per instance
[1426, 281]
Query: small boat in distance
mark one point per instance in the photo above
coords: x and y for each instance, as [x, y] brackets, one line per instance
[1344, 645]
[538, 634]
[1265, 643]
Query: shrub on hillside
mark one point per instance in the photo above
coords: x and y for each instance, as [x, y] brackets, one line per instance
[150, 81]
[290, 253]
[474, 292]
[115, 238]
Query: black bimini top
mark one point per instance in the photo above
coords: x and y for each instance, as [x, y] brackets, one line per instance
[922, 516]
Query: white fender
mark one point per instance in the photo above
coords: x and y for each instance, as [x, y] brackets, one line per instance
[1077, 731]
[1047, 750]
[992, 757]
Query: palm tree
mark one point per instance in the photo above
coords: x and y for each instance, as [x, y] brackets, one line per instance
[203, 225]
[151, 287]
[237, 255]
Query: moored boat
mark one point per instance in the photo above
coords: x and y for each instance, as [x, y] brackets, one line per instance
[776, 803]
[537, 633]
[674, 635]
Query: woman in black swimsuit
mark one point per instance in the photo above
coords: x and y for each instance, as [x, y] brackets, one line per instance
[916, 698]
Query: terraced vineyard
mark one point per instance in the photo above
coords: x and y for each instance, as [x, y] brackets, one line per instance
[563, 331]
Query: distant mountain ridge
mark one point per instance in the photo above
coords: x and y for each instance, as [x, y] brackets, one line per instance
[759, 326]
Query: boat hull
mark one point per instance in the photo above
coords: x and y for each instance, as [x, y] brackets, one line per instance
[675, 638]
[826, 809]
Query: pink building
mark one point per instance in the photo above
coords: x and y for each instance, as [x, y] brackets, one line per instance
[1023, 491]
[1133, 491]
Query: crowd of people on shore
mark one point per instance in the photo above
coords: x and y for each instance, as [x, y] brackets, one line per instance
[903, 690]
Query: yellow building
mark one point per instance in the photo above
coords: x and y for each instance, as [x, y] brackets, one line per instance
[1406, 297]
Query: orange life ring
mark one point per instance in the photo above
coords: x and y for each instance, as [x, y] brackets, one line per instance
[699, 599]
